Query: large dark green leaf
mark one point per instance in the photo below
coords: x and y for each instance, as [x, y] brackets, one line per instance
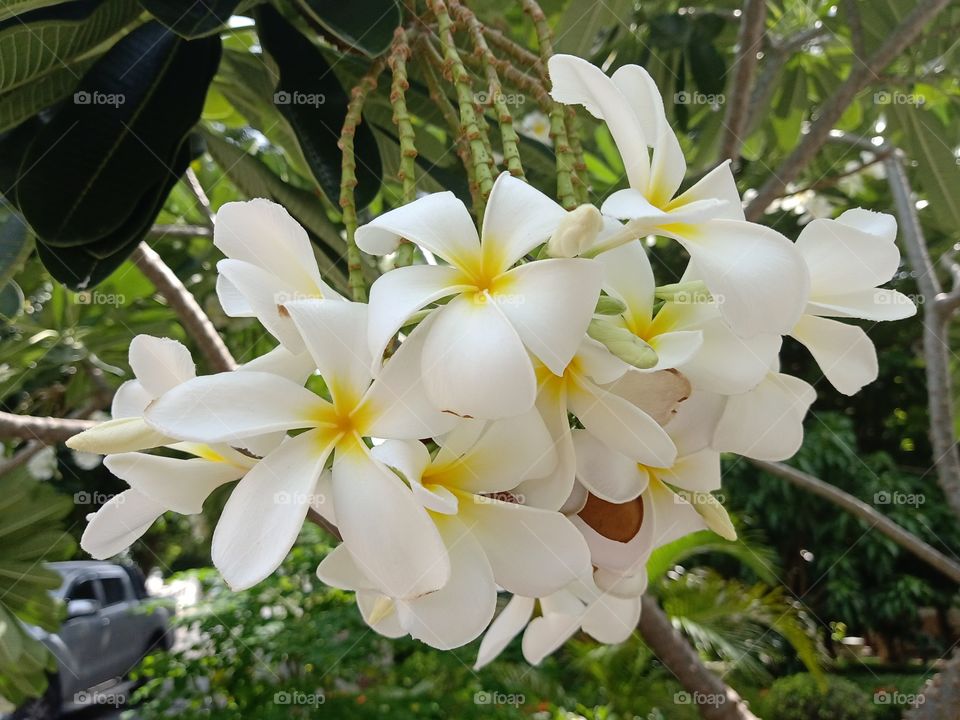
[312, 100]
[194, 18]
[94, 169]
[15, 242]
[366, 25]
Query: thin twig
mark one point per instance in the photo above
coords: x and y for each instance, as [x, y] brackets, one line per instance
[752, 25]
[861, 75]
[194, 319]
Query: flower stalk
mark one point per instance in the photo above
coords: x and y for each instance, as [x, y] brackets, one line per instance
[397, 61]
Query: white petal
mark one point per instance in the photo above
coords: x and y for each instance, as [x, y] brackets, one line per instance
[130, 400]
[632, 204]
[622, 586]
[845, 353]
[459, 611]
[119, 523]
[767, 422]
[438, 222]
[673, 517]
[754, 273]
[669, 167]
[390, 536]
[576, 82]
[842, 257]
[233, 302]
[266, 510]
[507, 625]
[397, 294]
[872, 304]
[338, 569]
[610, 619]
[609, 475]
[598, 363]
[693, 425]
[411, 458]
[118, 436]
[280, 361]
[370, 604]
[675, 349]
[533, 552]
[551, 491]
[336, 336]
[233, 405]
[718, 184]
[265, 293]
[658, 394]
[474, 363]
[698, 473]
[518, 217]
[397, 403]
[622, 426]
[160, 363]
[550, 303]
[545, 634]
[178, 485]
[628, 276]
[262, 233]
[509, 451]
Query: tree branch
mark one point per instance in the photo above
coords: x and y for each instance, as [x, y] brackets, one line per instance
[862, 75]
[752, 25]
[194, 319]
[714, 698]
[47, 430]
[876, 520]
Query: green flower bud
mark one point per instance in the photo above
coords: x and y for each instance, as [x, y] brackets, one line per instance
[623, 344]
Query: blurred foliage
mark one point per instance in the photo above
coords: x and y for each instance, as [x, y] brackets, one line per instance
[802, 697]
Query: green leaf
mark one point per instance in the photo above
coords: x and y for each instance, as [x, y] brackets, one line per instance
[366, 25]
[255, 179]
[51, 39]
[310, 97]
[14, 8]
[199, 18]
[20, 104]
[938, 170]
[98, 167]
[584, 22]
[11, 300]
[15, 243]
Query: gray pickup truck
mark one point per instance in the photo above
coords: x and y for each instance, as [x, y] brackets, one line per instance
[111, 624]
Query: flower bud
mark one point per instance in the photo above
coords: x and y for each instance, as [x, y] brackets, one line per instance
[576, 232]
[623, 344]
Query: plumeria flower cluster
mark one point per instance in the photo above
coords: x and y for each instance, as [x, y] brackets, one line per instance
[528, 411]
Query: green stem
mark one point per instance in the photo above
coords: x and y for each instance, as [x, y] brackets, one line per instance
[470, 125]
[508, 134]
[348, 180]
[397, 61]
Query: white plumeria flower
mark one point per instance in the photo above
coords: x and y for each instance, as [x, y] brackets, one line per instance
[581, 606]
[383, 526]
[689, 333]
[491, 537]
[536, 125]
[157, 483]
[848, 258]
[270, 261]
[753, 271]
[476, 360]
[588, 388]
